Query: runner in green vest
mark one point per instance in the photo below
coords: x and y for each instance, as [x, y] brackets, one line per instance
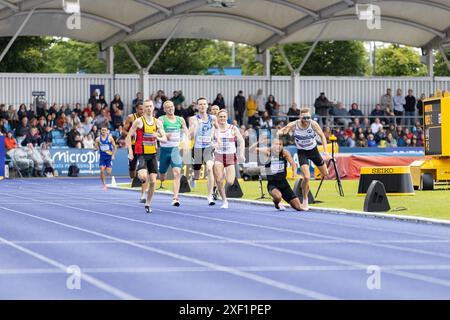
[174, 126]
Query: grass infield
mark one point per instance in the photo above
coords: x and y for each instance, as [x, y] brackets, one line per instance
[428, 204]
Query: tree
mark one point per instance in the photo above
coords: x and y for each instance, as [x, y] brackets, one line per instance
[25, 55]
[440, 67]
[396, 60]
[330, 58]
[71, 56]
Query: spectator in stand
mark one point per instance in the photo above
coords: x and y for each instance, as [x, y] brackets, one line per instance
[355, 112]
[74, 139]
[253, 119]
[88, 142]
[87, 126]
[158, 101]
[410, 108]
[178, 98]
[10, 142]
[277, 114]
[117, 119]
[73, 119]
[371, 141]
[219, 101]
[44, 130]
[386, 99]
[323, 106]
[88, 110]
[3, 112]
[118, 101]
[98, 109]
[380, 135]
[265, 122]
[239, 107]
[102, 101]
[23, 129]
[53, 109]
[341, 115]
[93, 99]
[390, 116]
[391, 141]
[137, 100]
[68, 110]
[13, 117]
[378, 111]
[22, 111]
[33, 138]
[260, 102]
[95, 132]
[398, 132]
[356, 124]
[101, 120]
[180, 112]
[376, 126]
[270, 104]
[50, 121]
[419, 107]
[191, 110]
[294, 112]
[399, 106]
[252, 106]
[78, 110]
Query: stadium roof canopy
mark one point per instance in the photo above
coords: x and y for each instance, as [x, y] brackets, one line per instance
[263, 23]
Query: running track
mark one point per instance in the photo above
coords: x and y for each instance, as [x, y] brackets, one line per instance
[198, 252]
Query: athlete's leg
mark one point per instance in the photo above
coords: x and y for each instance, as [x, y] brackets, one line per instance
[210, 176]
[276, 196]
[323, 170]
[305, 184]
[102, 176]
[218, 177]
[230, 174]
[295, 203]
[151, 187]
[176, 182]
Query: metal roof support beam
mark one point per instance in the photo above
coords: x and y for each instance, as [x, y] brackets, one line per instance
[151, 20]
[11, 42]
[154, 6]
[22, 6]
[10, 5]
[297, 7]
[132, 56]
[285, 58]
[444, 56]
[164, 45]
[316, 41]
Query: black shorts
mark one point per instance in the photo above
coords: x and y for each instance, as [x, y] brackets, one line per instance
[148, 162]
[200, 156]
[132, 163]
[283, 186]
[313, 155]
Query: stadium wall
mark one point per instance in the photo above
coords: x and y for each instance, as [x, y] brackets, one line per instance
[2, 157]
[72, 88]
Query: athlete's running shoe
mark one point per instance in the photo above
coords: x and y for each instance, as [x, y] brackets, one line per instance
[305, 205]
[148, 209]
[215, 195]
[104, 188]
[176, 202]
[143, 200]
[211, 201]
[224, 205]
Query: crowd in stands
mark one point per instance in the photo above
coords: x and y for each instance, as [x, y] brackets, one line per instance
[77, 126]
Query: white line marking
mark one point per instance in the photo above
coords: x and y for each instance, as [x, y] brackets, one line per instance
[246, 275]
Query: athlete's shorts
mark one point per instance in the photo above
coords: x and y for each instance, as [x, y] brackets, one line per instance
[132, 163]
[201, 156]
[283, 186]
[149, 162]
[105, 162]
[313, 155]
[226, 159]
[169, 157]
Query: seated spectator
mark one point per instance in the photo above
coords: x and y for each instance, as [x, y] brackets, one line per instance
[88, 141]
[265, 122]
[5, 126]
[361, 141]
[101, 120]
[253, 119]
[97, 109]
[44, 130]
[3, 112]
[178, 97]
[376, 126]
[355, 112]
[356, 124]
[23, 129]
[377, 112]
[371, 141]
[53, 109]
[137, 100]
[341, 115]
[93, 99]
[401, 142]
[32, 138]
[390, 116]
[10, 141]
[117, 119]
[179, 111]
[88, 110]
[118, 101]
[102, 101]
[95, 132]
[398, 132]
[74, 139]
[293, 111]
[13, 117]
[22, 111]
[277, 114]
[219, 101]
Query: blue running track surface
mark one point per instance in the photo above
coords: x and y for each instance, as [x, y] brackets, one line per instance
[68, 239]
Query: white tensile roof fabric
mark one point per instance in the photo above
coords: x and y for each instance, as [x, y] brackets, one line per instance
[264, 23]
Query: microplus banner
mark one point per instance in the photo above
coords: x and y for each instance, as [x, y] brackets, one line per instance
[87, 161]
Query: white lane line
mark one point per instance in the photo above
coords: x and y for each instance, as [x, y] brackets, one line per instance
[408, 275]
[231, 241]
[291, 217]
[95, 282]
[137, 270]
[242, 274]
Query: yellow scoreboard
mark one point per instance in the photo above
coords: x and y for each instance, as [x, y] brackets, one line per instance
[436, 117]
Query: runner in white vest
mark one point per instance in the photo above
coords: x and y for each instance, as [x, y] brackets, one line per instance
[305, 133]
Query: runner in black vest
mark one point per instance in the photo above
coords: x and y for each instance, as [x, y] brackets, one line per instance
[275, 166]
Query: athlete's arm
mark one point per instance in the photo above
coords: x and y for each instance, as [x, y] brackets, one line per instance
[128, 124]
[96, 143]
[193, 126]
[319, 131]
[111, 139]
[241, 143]
[161, 134]
[136, 125]
[288, 128]
[254, 148]
[291, 161]
[187, 135]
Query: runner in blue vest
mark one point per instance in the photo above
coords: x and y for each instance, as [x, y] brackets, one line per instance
[107, 147]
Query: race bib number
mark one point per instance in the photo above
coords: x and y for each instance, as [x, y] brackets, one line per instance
[104, 147]
[277, 166]
[203, 139]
